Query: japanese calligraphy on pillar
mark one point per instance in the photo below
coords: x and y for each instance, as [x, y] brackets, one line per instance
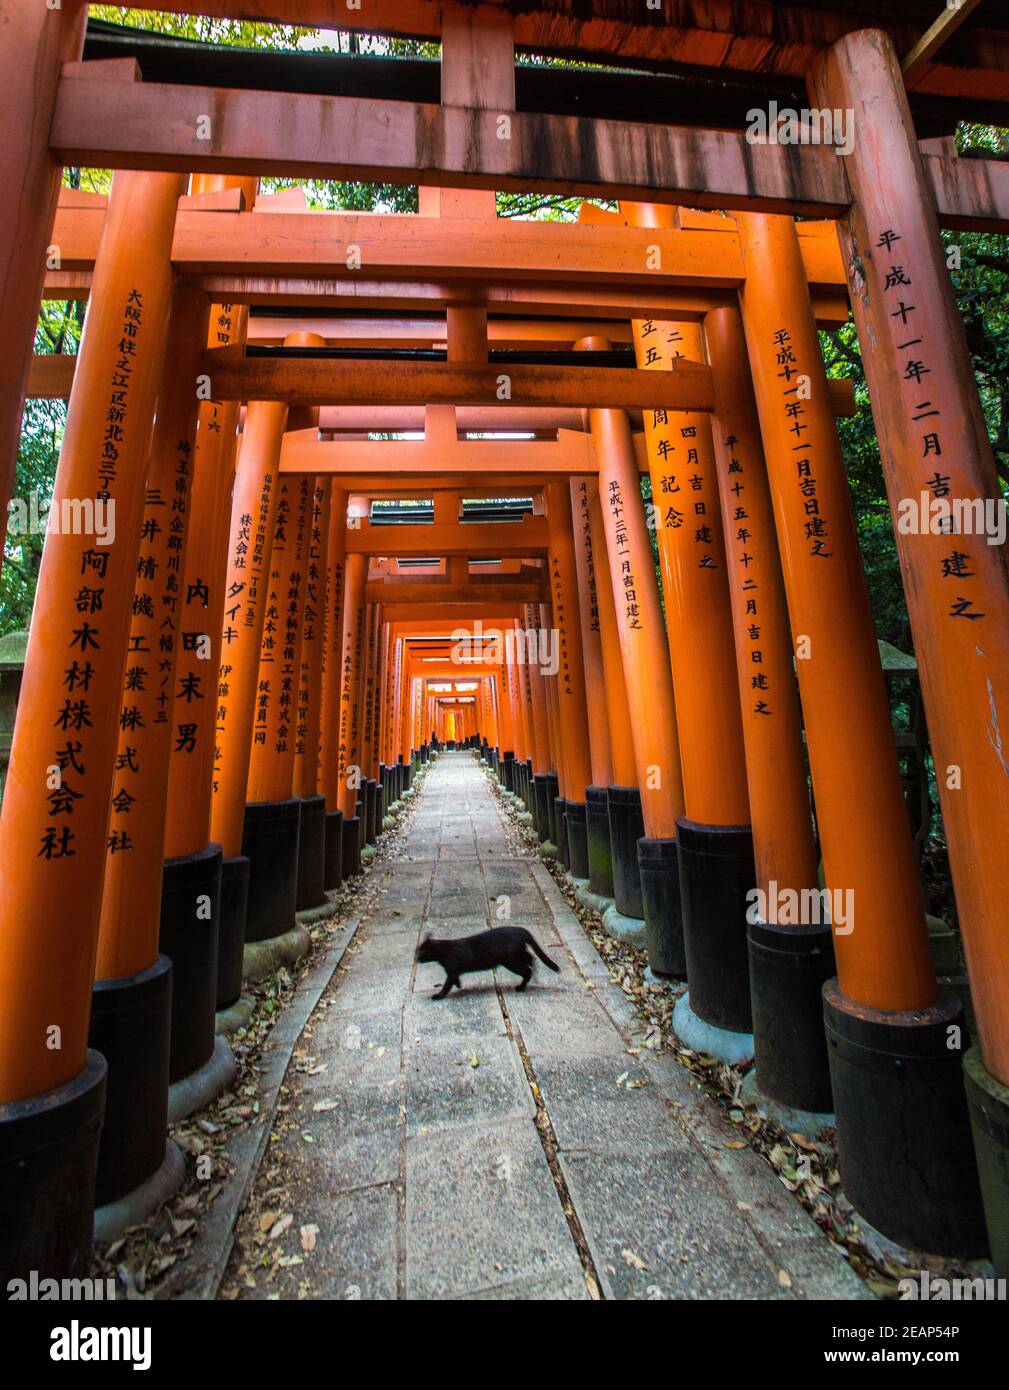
[617, 510]
[245, 577]
[743, 546]
[584, 533]
[73, 718]
[151, 653]
[924, 425]
[816, 530]
[681, 459]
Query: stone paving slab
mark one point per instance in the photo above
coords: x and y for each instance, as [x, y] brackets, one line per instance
[482, 1210]
[500, 1145]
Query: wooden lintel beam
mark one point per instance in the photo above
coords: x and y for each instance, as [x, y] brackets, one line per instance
[498, 538]
[452, 671]
[476, 485]
[571, 453]
[428, 601]
[122, 124]
[108, 124]
[322, 381]
[414, 626]
[263, 244]
[52, 375]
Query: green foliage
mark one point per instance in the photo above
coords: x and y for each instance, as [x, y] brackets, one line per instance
[234, 33]
[59, 330]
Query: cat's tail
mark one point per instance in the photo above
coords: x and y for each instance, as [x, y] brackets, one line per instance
[531, 941]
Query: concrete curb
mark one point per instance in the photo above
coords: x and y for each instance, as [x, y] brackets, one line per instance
[112, 1220]
[196, 1091]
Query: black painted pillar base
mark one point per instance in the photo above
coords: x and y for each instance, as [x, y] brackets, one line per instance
[189, 936]
[788, 968]
[659, 873]
[408, 770]
[270, 839]
[351, 846]
[507, 772]
[369, 790]
[528, 790]
[716, 874]
[384, 795]
[626, 828]
[131, 1019]
[988, 1104]
[334, 849]
[903, 1132]
[597, 835]
[361, 812]
[311, 853]
[561, 830]
[425, 753]
[539, 807]
[231, 927]
[48, 1160]
[552, 784]
[577, 839]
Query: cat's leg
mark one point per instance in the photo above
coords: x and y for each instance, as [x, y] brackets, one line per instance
[524, 969]
[449, 982]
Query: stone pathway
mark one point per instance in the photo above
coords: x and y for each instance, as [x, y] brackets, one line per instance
[496, 1144]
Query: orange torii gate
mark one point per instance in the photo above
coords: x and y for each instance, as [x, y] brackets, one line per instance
[671, 702]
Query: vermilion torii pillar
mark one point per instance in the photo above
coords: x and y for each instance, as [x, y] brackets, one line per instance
[253, 512]
[368, 757]
[599, 859]
[624, 771]
[573, 721]
[271, 832]
[651, 809]
[907, 1172]
[132, 1018]
[542, 756]
[253, 518]
[56, 799]
[330, 767]
[195, 707]
[348, 769]
[934, 448]
[308, 722]
[712, 864]
[582, 489]
[789, 961]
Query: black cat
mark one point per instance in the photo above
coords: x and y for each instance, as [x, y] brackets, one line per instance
[507, 946]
